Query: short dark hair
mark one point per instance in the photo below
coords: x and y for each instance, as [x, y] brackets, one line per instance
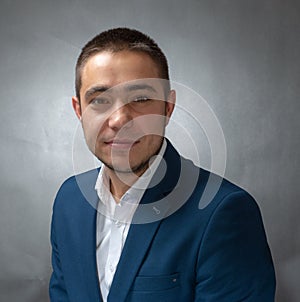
[118, 39]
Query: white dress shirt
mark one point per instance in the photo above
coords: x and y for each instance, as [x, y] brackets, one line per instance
[114, 219]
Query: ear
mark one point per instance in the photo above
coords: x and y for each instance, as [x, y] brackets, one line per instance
[76, 106]
[170, 104]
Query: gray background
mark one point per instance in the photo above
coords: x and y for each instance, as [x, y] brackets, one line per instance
[241, 56]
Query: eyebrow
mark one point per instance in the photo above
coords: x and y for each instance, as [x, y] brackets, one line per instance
[140, 87]
[97, 89]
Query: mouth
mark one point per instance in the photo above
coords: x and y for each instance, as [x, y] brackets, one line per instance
[121, 144]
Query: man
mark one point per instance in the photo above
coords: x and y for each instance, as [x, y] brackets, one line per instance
[133, 230]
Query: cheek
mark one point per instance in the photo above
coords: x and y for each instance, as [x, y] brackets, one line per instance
[151, 124]
[92, 125]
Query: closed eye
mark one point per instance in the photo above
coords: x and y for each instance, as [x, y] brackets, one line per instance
[141, 99]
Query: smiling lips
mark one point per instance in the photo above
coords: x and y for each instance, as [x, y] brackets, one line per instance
[121, 144]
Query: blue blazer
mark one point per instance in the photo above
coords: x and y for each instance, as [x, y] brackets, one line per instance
[218, 253]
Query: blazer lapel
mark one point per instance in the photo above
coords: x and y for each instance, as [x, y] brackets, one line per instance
[87, 233]
[137, 243]
[88, 258]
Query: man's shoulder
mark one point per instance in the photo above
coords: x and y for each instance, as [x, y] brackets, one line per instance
[211, 189]
[77, 187]
[209, 185]
[78, 179]
[210, 179]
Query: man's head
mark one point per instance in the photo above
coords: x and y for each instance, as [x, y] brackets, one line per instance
[120, 39]
[123, 98]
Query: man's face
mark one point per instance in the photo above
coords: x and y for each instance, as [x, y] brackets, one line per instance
[123, 109]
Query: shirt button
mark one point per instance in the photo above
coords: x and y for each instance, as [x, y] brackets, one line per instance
[111, 268]
[118, 223]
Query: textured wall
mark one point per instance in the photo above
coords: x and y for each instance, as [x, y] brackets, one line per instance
[241, 56]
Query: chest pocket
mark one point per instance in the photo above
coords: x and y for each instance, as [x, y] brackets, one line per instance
[156, 283]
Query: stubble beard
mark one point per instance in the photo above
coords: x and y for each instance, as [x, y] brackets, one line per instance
[138, 169]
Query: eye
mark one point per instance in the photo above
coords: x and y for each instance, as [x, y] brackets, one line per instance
[141, 99]
[100, 101]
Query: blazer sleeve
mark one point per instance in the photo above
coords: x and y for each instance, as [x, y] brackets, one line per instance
[234, 260]
[57, 289]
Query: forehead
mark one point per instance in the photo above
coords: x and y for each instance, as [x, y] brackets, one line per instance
[111, 69]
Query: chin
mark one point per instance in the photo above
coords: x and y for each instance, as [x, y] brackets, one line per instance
[136, 168]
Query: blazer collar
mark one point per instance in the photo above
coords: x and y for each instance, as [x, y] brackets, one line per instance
[166, 175]
[87, 202]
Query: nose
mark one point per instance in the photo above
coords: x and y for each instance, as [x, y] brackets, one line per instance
[120, 118]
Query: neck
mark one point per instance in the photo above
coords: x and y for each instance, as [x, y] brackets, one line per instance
[120, 182]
